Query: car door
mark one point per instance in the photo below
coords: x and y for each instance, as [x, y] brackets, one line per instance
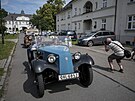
[106, 35]
[98, 38]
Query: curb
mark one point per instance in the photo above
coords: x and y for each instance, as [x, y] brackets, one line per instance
[6, 67]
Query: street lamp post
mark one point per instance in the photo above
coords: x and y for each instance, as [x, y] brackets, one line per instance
[1, 24]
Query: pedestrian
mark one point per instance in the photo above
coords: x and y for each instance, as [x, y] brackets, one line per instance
[133, 53]
[118, 54]
[133, 50]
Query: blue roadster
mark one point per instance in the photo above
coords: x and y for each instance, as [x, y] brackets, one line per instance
[55, 62]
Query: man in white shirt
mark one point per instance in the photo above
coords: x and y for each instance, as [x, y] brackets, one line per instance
[118, 54]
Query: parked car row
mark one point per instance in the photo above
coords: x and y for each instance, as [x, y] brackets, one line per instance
[88, 39]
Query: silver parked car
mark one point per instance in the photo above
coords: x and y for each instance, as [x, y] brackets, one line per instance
[96, 37]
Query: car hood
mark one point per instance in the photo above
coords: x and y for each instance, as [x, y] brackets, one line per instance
[65, 57]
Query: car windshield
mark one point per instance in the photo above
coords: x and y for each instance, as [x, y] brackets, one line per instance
[70, 33]
[40, 41]
[90, 34]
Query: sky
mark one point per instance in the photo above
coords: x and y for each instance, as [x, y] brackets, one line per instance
[29, 6]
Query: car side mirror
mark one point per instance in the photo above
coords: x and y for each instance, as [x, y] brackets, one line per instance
[95, 35]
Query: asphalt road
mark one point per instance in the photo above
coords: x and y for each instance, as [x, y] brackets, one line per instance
[106, 86]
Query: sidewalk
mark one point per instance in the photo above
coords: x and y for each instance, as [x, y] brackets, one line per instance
[4, 63]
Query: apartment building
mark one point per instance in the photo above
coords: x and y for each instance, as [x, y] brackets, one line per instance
[91, 15]
[125, 21]
[17, 22]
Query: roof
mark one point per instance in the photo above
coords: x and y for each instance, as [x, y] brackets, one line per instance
[68, 6]
[13, 16]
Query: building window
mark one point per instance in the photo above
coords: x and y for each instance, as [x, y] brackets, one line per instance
[104, 24]
[58, 18]
[131, 0]
[131, 22]
[79, 26]
[96, 5]
[95, 26]
[61, 17]
[68, 15]
[75, 26]
[58, 27]
[104, 3]
[88, 7]
[64, 16]
[75, 11]
[69, 26]
[79, 11]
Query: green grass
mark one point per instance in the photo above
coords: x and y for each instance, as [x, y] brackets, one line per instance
[5, 49]
[11, 36]
[1, 92]
[75, 42]
[1, 71]
[1, 74]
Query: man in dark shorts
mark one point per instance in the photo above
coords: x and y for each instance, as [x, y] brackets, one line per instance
[118, 53]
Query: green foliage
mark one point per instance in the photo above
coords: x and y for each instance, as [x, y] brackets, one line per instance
[45, 18]
[1, 71]
[5, 49]
[3, 14]
[11, 36]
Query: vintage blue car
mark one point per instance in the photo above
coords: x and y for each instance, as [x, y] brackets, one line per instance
[55, 62]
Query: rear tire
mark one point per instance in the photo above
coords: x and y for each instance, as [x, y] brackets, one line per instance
[86, 75]
[40, 85]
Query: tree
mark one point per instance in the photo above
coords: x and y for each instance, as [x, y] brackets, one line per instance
[3, 14]
[45, 17]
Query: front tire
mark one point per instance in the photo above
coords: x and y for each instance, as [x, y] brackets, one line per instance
[40, 85]
[90, 43]
[30, 55]
[86, 75]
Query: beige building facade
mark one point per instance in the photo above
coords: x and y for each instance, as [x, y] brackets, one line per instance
[91, 15]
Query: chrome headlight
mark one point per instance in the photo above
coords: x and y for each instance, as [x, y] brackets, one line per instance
[77, 55]
[51, 58]
[30, 37]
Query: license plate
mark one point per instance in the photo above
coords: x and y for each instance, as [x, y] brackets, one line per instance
[68, 76]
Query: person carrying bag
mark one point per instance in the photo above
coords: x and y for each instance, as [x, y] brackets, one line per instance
[127, 53]
[118, 54]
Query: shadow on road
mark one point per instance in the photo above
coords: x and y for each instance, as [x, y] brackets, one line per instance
[30, 87]
[23, 46]
[102, 68]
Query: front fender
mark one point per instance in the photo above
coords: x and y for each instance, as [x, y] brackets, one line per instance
[85, 59]
[39, 66]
